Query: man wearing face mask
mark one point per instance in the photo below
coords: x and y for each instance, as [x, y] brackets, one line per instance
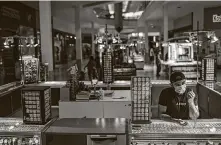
[178, 101]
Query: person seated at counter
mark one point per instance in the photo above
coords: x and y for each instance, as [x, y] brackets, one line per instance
[178, 101]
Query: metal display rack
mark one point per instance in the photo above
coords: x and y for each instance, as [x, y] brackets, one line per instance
[36, 105]
[107, 61]
[141, 99]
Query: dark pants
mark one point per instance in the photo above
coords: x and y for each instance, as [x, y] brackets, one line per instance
[92, 74]
[158, 69]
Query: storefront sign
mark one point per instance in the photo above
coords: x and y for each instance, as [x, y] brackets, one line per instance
[212, 18]
[216, 18]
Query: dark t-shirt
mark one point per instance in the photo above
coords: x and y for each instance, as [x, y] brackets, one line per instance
[177, 105]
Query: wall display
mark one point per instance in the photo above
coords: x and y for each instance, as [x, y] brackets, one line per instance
[209, 69]
[140, 92]
[107, 62]
[36, 105]
[31, 66]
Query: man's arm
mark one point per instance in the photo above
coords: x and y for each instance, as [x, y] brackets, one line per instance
[193, 106]
[162, 105]
[161, 111]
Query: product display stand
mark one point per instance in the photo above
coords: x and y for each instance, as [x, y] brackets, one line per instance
[140, 93]
[208, 73]
[107, 62]
[73, 82]
[36, 105]
[30, 70]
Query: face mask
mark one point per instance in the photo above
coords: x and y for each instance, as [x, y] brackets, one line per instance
[180, 89]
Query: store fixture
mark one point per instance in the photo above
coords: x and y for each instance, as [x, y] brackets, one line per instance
[140, 93]
[14, 132]
[181, 58]
[36, 105]
[209, 69]
[107, 63]
[30, 70]
[167, 133]
[124, 71]
[29, 73]
[44, 72]
[73, 82]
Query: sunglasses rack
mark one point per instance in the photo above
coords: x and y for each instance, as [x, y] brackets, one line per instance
[141, 92]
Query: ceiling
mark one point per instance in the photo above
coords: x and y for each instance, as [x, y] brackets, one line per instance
[65, 11]
[185, 7]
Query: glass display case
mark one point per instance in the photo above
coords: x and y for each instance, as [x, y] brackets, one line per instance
[181, 58]
[14, 132]
[180, 52]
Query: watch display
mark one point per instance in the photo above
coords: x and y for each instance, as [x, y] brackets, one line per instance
[140, 90]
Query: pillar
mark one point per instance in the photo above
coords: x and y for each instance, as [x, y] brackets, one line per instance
[165, 27]
[46, 33]
[147, 56]
[92, 37]
[78, 37]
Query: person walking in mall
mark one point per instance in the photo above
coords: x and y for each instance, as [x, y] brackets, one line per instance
[158, 62]
[91, 66]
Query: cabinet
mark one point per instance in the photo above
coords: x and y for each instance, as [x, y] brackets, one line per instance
[80, 109]
[117, 109]
[92, 109]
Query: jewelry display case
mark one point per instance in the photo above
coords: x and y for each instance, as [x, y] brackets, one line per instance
[14, 132]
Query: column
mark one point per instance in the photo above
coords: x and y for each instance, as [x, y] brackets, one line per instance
[46, 33]
[92, 37]
[147, 56]
[78, 37]
[165, 27]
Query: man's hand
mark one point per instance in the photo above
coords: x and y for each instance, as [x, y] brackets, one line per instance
[191, 96]
[194, 110]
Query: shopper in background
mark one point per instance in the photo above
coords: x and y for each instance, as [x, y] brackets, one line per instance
[178, 101]
[151, 56]
[91, 66]
[98, 65]
[158, 62]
